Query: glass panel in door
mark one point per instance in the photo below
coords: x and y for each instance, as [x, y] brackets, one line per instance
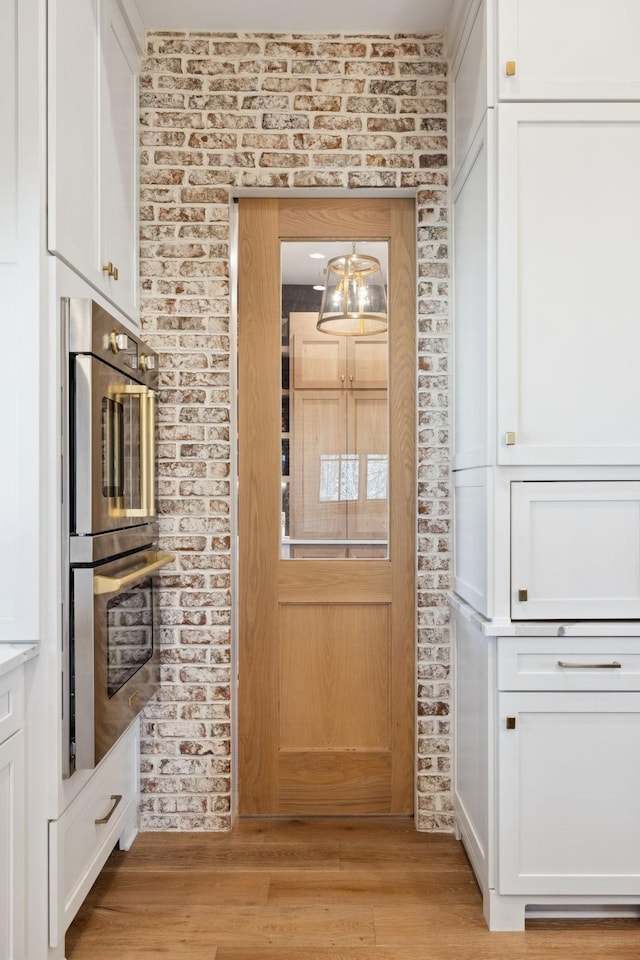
[335, 436]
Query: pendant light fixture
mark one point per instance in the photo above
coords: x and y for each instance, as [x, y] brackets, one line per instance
[354, 302]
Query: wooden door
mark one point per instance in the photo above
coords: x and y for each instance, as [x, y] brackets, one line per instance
[326, 663]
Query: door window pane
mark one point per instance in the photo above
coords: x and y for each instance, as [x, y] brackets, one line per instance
[334, 427]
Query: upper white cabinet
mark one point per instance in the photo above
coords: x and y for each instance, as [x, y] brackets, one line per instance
[568, 306]
[474, 328]
[21, 297]
[472, 79]
[93, 110]
[568, 50]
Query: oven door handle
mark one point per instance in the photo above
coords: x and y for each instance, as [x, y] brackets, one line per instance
[155, 560]
[147, 448]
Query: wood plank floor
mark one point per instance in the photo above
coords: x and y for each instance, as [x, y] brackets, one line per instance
[312, 890]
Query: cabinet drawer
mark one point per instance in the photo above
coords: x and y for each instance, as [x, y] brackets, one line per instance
[11, 703]
[562, 663]
[82, 838]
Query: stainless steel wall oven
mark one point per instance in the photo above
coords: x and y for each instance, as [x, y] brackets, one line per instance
[111, 663]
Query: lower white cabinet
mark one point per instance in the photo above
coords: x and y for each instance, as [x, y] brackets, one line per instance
[103, 813]
[12, 825]
[568, 788]
[547, 771]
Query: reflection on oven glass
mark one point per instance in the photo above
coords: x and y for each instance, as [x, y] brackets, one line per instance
[129, 633]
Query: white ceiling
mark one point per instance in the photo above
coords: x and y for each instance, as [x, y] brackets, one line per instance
[299, 267]
[291, 16]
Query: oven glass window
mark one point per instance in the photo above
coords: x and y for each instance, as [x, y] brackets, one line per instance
[112, 448]
[129, 633]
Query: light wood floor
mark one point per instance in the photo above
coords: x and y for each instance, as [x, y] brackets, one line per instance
[313, 890]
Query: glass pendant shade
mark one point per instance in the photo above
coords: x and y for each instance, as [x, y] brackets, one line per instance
[354, 302]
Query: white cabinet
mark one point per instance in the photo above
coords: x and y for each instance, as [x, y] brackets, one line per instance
[574, 550]
[93, 111]
[547, 318]
[103, 813]
[472, 521]
[563, 50]
[12, 824]
[474, 329]
[567, 824]
[568, 310]
[21, 299]
[547, 323]
[472, 78]
[547, 771]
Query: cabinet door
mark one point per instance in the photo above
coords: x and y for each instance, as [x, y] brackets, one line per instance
[574, 550]
[119, 167]
[321, 472]
[473, 547]
[568, 316]
[568, 786]
[368, 439]
[318, 360]
[472, 73]
[474, 329]
[321, 360]
[564, 51]
[12, 891]
[73, 132]
[92, 157]
[367, 362]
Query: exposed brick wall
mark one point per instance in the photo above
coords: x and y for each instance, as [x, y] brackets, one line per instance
[225, 111]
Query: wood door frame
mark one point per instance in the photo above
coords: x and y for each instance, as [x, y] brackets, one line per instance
[400, 207]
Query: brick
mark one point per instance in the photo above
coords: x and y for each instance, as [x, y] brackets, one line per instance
[265, 102]
[371, 105]
[285, 121]
[232, 83]
[289, 49]
[218, 101]
[316, 66]
[394, 88]
[179, 83]
[336, 122]
[163, 138]
[340, 85]
[371, 143]
[287, 84]
[316, 178]
[317, 141]
[198, 48]
[342, 50]
[317, 104]
[266, 141]
[270, 159]
[369, 68]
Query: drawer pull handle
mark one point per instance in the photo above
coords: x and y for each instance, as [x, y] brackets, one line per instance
[614, 665]
[116, 797]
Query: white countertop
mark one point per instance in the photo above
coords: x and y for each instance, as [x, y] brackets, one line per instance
[12, 655]
[544, 628]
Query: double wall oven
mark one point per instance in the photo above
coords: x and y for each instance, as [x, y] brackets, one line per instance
[110, 662]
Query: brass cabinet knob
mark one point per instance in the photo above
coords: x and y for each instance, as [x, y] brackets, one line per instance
[110, 270]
